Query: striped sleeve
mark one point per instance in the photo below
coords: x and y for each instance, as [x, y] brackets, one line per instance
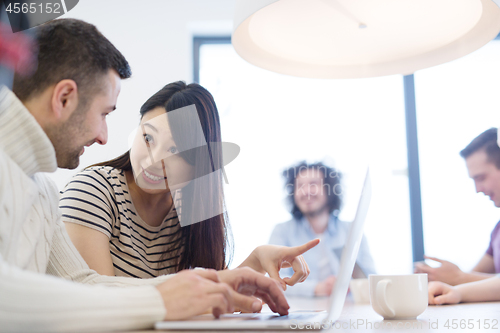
[88, 200]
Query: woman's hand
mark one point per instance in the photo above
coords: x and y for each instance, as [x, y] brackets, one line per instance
[271, 258]
[442, 293]
[248, 285]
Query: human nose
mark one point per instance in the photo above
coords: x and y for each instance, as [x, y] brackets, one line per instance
[102, 138]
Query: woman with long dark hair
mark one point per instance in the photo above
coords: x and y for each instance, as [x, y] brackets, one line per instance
[159, 208]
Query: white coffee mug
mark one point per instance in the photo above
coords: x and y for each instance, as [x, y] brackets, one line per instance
[398, 296]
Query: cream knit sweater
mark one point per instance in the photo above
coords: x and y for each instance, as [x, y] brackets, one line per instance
[45, 285]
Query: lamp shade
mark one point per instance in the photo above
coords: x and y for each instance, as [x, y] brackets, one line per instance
[342, 39]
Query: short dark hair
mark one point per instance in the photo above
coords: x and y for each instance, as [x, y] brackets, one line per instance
[331, 180]
[486, 141]
[70, 49]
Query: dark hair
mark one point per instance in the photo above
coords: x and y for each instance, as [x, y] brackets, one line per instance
[486, 141]
[331, 180]
[207, 243]
[70, 49]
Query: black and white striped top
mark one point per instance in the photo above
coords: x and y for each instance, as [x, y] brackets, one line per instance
[99, 198]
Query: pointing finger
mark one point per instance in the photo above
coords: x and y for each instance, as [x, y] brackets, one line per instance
[434, 259]
[298, 250]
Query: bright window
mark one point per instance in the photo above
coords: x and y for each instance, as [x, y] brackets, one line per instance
[456, 102]
[279, 120]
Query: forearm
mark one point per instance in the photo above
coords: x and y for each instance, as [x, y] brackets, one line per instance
[480, 291]
[93, 278]
[34, 302]
[66, 262]
[473, 277]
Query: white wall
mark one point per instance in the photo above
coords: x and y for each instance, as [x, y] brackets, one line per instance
[156, 38]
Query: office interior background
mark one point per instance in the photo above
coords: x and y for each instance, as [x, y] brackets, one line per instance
[278, 120]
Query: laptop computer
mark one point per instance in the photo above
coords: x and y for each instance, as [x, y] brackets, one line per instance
[272, 321]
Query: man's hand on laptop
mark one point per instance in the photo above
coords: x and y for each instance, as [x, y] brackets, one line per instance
[193, 292]
[271, 258]
[248, 284]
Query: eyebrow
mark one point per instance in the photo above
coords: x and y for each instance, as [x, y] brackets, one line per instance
[152, 127]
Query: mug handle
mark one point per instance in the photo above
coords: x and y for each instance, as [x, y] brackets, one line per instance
[381, 292]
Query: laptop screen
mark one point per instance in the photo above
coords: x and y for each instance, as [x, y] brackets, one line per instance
[350, 252]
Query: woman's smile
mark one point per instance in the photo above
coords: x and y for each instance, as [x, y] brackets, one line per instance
[151, 177]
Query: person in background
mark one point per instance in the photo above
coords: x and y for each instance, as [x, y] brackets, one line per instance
[482, 158]
[315, 197]
[45, 123]
[124, 215]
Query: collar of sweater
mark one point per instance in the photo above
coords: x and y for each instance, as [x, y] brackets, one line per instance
[22, 138]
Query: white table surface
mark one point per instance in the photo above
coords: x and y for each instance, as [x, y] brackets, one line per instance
[466, 317]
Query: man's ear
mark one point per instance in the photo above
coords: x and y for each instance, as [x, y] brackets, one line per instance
[64, 99]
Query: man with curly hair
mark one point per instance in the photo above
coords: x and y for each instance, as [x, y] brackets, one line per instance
[315, 197]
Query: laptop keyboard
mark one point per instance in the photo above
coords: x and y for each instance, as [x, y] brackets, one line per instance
[291, 316]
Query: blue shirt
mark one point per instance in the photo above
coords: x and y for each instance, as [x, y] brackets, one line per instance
[297, 232]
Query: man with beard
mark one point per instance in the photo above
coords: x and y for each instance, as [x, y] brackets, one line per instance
[315, 197]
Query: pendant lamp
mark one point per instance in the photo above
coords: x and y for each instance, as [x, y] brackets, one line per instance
[340, 39]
